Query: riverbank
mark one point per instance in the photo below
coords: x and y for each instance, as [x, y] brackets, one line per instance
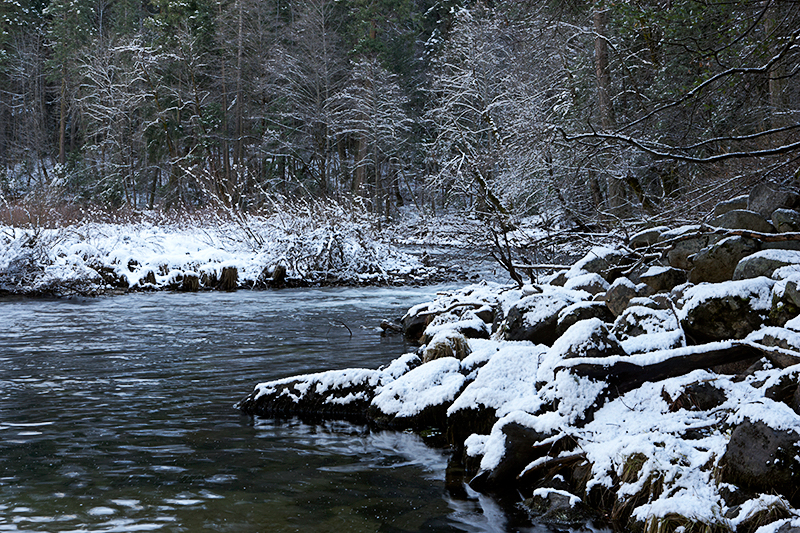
[212, 253]
[655, 384]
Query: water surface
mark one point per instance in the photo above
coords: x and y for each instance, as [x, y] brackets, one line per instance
[116, 415]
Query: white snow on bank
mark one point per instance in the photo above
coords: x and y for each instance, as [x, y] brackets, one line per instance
[167, 252]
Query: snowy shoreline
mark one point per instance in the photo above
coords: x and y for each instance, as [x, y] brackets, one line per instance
[102, 258]
[613, 390]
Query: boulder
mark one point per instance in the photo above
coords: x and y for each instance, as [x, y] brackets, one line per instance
[660, 278]
[765, 198]
[764, 263]
[534, 318]
[718, 262]
[739, 202]
[591, 283]
[785, 302]
[764, 459]
[582, 311]
[556, 506]
[647, 237]
[743, 219]
[787, 342]
[419, 399]
[680, 251]
[729, 310]
[620, 292]
[786, 220]
[447, 343]
[599, 260]
[639, 320]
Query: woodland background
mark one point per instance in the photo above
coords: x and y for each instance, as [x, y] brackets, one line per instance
[599, 111]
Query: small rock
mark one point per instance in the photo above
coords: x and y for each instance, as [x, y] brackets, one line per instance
[739, 202]
[554, 506]
[786, 220]
[663, 278]
[765, 198]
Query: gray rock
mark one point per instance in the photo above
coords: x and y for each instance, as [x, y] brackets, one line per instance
[679, 255]
[535, 317]
[739, 202]
[591, 283]
[785, 303]
[764, 459]
[582, 311]
[730, 310]
[663, 278]
[647, 237]
[764, 263]
[743, 219]
[639, 320]
[718, 262]
[557, 507]
[765, 198]
[620, 293]
[786, 220]
[588, 338]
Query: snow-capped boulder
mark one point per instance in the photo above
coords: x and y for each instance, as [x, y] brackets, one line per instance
[332, 394]
[718, 262]
[785, 302]
[662, 278]
[739, 202]
[728, 310]
[764, 263]
[743, 219]
[685, 241]
[534, 318]
[582, 311]
[647, 237]
[419, 398]
[446, 343]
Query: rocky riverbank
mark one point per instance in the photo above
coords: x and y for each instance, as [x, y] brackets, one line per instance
[655, 384]
[97, 258]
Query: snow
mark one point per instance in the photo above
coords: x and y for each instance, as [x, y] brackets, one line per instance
[757, 292]
[171, 250]
[431, 384]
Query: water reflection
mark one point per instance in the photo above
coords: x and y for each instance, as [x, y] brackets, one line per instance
[116, 415]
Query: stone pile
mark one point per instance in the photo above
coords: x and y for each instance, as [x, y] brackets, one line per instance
[698, 324]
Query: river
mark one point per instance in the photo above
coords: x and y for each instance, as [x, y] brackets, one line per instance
[116, 414]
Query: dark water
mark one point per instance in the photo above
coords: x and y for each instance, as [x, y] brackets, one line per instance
[116, 415]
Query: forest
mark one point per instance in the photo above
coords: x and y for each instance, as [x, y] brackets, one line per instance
[596, 112]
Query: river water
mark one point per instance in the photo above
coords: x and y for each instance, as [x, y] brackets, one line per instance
[116, 415]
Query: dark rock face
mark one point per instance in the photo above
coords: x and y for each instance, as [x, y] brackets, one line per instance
[763, 459]
[680, 253]
[785, 304]
[718, 262]
[743, 219]
[740, 202]
[619, 295]
[663, 279]
[557, 507]
[582, 311]
[765, 198]
[786, 220]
